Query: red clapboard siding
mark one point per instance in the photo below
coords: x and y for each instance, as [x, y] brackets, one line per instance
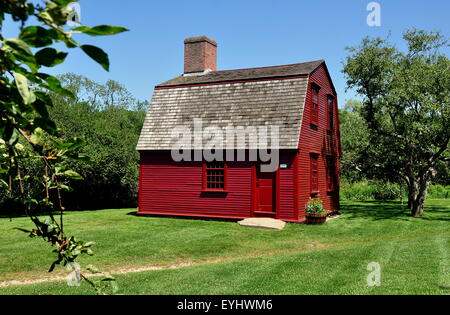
[286, 189]
[318, 142]
[175, 188]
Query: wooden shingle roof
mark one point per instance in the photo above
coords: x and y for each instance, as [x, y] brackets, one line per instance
[303, 68]
[245, 97]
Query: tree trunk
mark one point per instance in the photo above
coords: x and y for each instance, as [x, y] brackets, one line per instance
[412, 192]
[420, 189]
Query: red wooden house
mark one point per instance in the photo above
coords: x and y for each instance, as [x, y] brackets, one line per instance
[299, 98]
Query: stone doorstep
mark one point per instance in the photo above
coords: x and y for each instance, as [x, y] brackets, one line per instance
[263, 223]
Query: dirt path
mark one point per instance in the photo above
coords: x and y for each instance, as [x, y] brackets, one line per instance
[113, 272]
[313, 246]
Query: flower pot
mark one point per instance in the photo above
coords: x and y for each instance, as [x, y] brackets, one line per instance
[316, 218]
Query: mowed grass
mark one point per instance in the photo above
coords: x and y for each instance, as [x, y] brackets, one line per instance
[414, 253]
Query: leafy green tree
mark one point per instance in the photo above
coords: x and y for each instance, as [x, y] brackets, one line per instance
[111, 130]
[354, 141]
[406, 106]
[24, 114]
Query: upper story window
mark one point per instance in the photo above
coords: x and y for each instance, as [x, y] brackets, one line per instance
[330, 107]
[314, 169]
[331, 173]
[214, 176]
[315, 104]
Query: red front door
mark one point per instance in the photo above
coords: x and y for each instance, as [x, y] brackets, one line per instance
[265, 192]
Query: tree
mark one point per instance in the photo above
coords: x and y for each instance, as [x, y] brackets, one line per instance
[406, 106]
[354, 141]
[111, 132]
[27, 132]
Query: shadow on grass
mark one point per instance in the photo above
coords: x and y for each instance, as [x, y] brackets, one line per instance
[437, 212]
[376, 210]
[55, 213]
[23, 215]
[388, 210]
[181, 217]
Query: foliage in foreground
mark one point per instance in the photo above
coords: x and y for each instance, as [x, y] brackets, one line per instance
[109, 120]
[25, 99]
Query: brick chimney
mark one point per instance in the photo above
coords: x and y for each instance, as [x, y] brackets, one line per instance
[200, 54]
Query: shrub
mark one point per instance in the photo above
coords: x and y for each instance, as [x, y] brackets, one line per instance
[379, 190]
[370, 190]
[439, 192]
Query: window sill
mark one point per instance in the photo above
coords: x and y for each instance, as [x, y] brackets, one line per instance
[313, 126]
[214, 191]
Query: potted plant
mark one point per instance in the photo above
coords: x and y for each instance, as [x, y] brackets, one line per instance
[315, 213]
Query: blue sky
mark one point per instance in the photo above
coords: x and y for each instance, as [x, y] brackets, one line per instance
[249, 33]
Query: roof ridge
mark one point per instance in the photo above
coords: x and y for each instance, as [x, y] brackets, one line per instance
[267, 67]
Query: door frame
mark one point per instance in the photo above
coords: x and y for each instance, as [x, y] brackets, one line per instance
[254, 207]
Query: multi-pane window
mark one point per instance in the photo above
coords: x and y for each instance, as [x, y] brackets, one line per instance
[331, 171]
[314, 167]
[330, 112]
[214, 174]
[315, 105]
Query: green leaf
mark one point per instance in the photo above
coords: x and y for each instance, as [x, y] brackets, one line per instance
[44, 15]
[18, 45]
[69, 144]
[14, 138]
[22, 52]
[4, 184]
[44, 98]
[41, 108]
[92, 269]
[72, 174]
[63, 2]
[70, 43]
[108, 278]
[100, 30]
[54, 85]
[46, 124]
[22, 86]
[31, 201]
[97, 54]
[37, 136]
[64, 187]
[50, 57]
[37, 36]
[8, 132]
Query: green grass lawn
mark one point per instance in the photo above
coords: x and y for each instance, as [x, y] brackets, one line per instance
[414, 253]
